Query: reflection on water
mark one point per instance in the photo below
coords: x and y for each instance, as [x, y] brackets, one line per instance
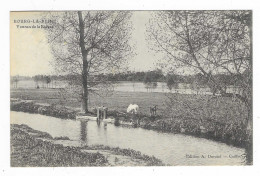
[83, 131]
[173, 149]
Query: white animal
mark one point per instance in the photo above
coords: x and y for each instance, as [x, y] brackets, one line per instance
[132, 108]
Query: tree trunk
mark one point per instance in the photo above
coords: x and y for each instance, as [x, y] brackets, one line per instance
[84, 53]
[250, 103]
[85, 86]
[249, 118]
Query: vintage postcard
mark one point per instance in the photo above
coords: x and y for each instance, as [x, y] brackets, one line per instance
[131, 88]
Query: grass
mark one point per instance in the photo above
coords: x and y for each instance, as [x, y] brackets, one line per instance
[187, 106]
[50, 110]
[119, 101]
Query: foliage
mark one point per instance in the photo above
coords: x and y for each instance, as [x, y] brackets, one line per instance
[44, 79]
[171, 81]
[210, 43]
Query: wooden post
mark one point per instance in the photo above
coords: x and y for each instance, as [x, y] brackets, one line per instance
[98, 113]
[105, 112]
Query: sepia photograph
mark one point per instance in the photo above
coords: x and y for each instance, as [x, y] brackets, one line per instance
[116, 88]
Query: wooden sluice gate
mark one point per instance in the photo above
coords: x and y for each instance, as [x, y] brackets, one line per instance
[101, 116]
[102, 112]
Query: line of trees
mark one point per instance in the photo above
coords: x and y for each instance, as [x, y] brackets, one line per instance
[42, 80]
[158, 76]
[149, 78]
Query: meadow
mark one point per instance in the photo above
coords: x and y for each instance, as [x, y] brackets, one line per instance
[201, 107]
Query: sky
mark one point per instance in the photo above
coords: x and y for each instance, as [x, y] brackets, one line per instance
[30, 53]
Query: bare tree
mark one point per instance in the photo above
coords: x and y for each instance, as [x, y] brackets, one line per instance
[14, 81]
[47, 80]
[87, 43]
[208, 42]
[36, 80]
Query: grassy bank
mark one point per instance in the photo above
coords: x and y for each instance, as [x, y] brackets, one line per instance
[27, 150]
[38, 149]
[44, 109]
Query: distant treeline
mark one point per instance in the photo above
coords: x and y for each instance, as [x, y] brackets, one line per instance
[145, 77]
[170, 79]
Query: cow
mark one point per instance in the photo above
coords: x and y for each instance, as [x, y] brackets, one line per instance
[132, 108]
